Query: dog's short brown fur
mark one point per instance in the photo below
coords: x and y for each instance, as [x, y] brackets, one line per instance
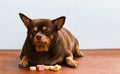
[48, 43]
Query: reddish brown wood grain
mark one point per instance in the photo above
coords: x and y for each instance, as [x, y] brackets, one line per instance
[94, 62]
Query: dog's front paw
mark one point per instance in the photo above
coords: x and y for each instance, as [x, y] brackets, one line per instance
[71, 63]
[24, 62]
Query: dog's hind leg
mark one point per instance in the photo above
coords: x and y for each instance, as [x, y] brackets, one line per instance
[77, 52]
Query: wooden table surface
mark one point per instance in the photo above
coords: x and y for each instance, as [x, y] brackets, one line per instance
[94, 62]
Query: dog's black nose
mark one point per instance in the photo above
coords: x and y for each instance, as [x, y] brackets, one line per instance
[38, 37]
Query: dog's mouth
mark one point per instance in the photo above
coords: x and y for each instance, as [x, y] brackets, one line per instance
[40, 42]
[41, 45]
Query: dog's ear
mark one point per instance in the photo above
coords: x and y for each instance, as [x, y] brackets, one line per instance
[25, 19]
[59, 22]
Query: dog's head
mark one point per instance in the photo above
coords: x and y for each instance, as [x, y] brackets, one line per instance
[42, 31]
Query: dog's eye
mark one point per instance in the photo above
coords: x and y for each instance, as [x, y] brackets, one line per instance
[46, 32]
[34, 32]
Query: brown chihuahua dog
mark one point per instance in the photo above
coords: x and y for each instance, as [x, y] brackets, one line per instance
[48, 43]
